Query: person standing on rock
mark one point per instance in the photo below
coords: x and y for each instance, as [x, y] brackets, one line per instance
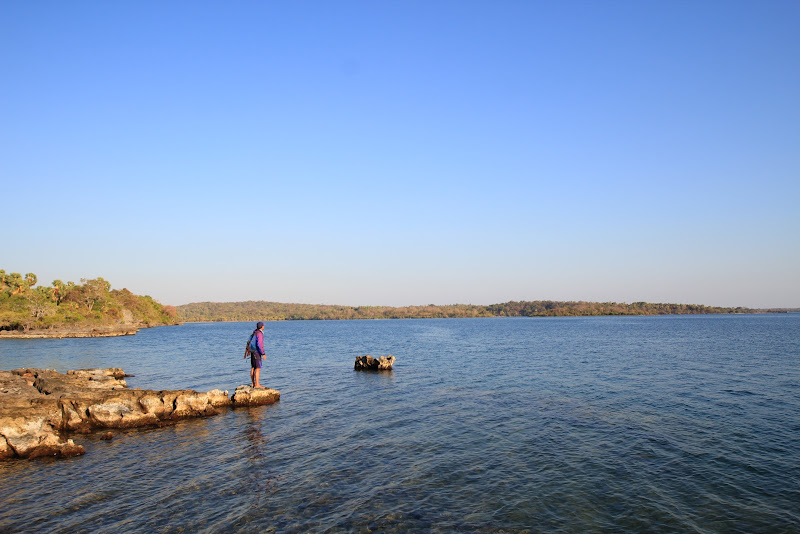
[255, 348]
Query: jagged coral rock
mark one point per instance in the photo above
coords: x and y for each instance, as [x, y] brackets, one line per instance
[368, 363]
[29, 421]
[36, 405]
[217, 398]
[250, 396]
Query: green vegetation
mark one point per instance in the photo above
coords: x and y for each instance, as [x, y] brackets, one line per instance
[255, 311]
[25, 306]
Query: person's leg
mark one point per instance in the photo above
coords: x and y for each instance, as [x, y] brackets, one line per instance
[255, 362]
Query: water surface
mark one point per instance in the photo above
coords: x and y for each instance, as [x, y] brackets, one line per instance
[656, 424]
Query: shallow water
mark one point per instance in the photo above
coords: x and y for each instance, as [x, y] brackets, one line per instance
[656, 424]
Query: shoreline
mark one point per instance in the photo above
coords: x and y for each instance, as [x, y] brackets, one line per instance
[41, 410]
[77, 332]
[60, 334]
[130, 330]
[200, 312]
[554, 316]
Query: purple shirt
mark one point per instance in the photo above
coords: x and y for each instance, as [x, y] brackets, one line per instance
[260, 342]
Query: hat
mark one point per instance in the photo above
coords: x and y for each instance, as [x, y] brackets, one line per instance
[259, 324]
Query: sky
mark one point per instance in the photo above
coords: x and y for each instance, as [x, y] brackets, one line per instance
[405, 152]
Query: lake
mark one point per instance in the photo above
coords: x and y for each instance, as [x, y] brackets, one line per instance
[603, 424]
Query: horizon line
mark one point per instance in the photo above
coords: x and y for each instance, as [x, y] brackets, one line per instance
[492, 304]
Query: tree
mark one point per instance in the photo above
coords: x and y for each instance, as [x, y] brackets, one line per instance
[60, 291]
[94, 291]
[23, 306]
[40, 303]
[30, 280]
[12, 283]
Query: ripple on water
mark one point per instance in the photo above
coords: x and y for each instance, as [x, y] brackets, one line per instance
[513, 425]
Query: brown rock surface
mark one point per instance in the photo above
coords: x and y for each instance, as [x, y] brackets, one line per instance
[37, 405]
[28, 421]
[368, 363]
[250, 396]
[217, 398]
[87, 331]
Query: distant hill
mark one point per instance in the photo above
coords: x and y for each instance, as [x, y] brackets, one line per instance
[25, 307]
[276, 311]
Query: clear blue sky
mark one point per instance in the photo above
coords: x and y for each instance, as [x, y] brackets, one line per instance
[405, 152]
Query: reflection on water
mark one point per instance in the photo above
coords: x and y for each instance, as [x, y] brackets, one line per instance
[260, 480]
[486, 425]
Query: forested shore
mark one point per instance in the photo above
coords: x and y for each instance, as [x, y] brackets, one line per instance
[61, 309]
[276, 311]
[92, 306]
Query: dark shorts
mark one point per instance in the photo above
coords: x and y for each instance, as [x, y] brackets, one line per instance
[255, 361]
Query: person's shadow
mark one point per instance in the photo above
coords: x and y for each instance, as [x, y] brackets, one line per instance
[261, 479]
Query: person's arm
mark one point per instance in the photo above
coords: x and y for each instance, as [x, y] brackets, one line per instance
[260, 343]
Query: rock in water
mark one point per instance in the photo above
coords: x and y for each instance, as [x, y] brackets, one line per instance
[250, 396]
[29, 421]
[368, 363]
[217, 398]
[36, 405]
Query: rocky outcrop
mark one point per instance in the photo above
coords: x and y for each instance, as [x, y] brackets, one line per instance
[250, 396]
[89, 331]
[218, 398]
[37, 406]
[368, 363]
[29, 421]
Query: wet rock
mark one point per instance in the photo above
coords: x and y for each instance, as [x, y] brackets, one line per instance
[37, 405]
[191, 403]
[99, 374]
[152, 402]
[218, 398]
[368, 363]
[29, 421]
[108, 436]
[117, 413]
[250, 396]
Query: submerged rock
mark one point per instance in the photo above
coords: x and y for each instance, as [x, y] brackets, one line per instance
[250, 396]
[368, 363]
[38, 405]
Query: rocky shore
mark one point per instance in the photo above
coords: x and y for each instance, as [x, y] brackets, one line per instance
[41, 408]
[60, 332]
[89, 331]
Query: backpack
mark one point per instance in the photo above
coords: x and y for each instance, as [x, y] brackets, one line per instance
[252, 344]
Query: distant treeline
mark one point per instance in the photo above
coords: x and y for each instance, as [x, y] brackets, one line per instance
[25, 306]
[276, 311]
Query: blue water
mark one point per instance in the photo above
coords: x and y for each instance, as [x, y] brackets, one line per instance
[610, 424]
